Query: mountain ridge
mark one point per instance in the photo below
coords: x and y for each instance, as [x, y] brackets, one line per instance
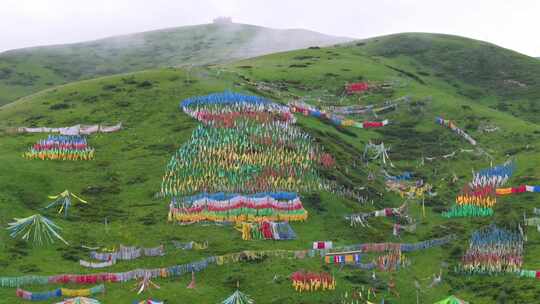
[29, 70]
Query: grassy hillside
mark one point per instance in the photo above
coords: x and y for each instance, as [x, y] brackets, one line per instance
[500, 78]
[121, 182]
[26, 71]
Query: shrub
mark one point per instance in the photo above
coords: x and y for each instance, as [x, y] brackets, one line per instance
[59, 106]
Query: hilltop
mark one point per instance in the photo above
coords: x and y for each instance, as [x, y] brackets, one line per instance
[122, 181]
[29, 70]
[497, 77]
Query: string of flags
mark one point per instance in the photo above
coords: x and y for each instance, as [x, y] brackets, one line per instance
[58, 293]
[96, 265]
[452, 126]
[73, 130]
[125, 253]
[338, 120]
[391, 261]
[362, 218]
[365, 109]
[517, 190]
[178, 270]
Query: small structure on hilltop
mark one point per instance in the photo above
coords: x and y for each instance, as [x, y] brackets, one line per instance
[222, 20]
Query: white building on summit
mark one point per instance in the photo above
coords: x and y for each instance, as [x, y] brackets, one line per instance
[223, 20]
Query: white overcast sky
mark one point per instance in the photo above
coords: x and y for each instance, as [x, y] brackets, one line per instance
[511, 24]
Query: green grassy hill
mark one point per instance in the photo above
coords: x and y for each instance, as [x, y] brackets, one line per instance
[500, 78]
[121, 182]
[26, 71]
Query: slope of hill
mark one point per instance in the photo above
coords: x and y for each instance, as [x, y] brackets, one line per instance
[26, 71]
[121, 182]
[497, 77]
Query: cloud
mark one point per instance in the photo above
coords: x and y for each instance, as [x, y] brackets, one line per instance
[512, 24]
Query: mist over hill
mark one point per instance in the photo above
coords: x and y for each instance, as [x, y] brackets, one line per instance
[29, 70]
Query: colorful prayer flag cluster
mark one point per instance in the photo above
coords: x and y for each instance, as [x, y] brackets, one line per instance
[61, 147]
[221, 207]
[494, 176]
[452, 126]
[477, 198]
[246, 145]
[248, 158]
[493, 250]
[391, 261]
[267, 230]
[310, 281]
[337, 120]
